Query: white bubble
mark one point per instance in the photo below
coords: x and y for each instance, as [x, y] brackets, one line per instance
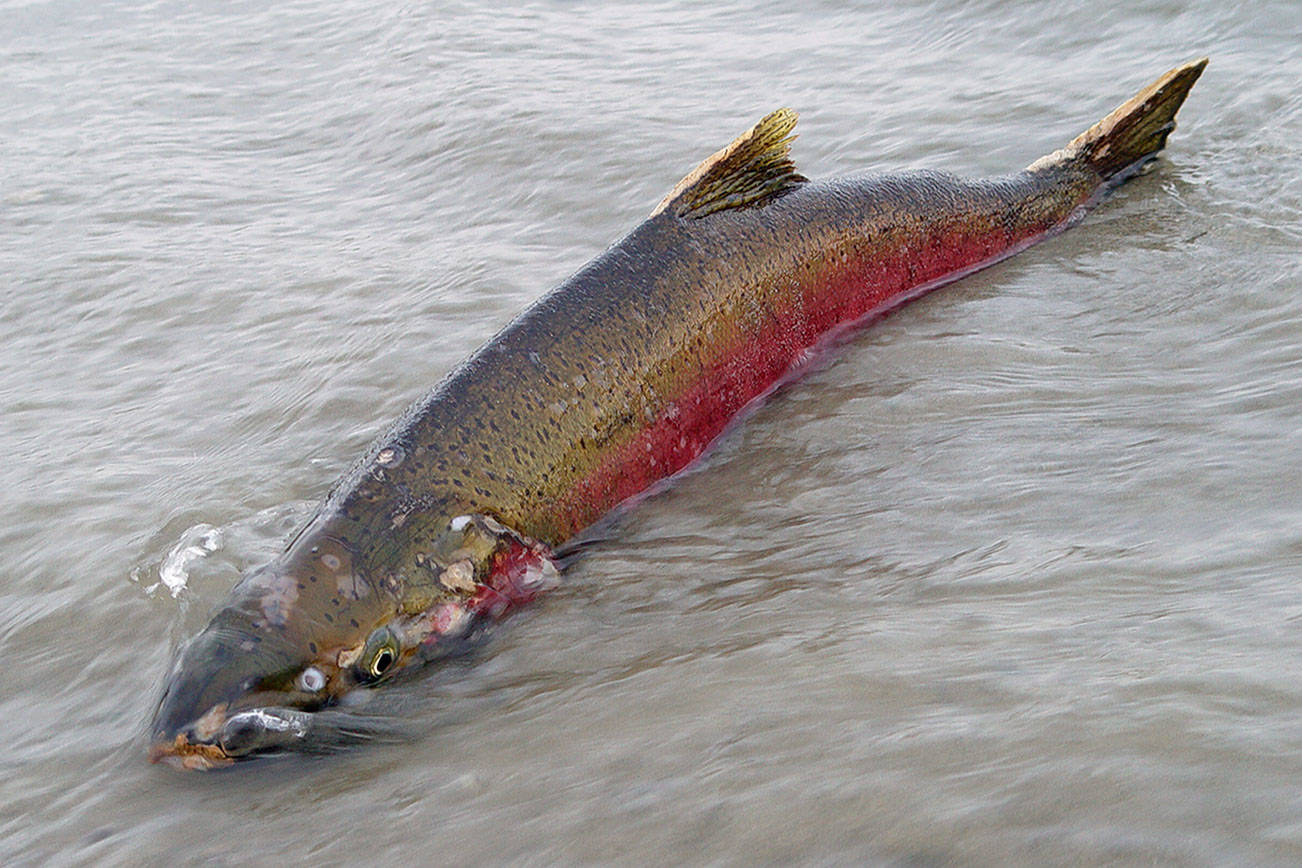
[196, 543]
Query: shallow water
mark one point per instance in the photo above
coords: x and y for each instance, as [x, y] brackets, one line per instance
[1014, 574]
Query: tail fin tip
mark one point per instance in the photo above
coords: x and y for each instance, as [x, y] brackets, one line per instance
[1137, 129]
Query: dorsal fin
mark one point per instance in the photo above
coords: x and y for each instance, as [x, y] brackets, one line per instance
[752, 170]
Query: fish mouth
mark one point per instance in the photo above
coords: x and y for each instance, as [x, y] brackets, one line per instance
[217, 740]
[196, 747]
[187, 756]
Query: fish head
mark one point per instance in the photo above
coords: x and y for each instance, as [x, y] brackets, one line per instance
[297, 636]
[309, 630]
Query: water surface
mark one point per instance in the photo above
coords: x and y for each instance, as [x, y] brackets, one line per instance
[1013, 575]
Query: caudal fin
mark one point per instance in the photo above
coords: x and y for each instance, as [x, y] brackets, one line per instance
[1135, 131]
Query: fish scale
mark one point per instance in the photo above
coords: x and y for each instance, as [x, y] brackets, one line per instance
[751, 290]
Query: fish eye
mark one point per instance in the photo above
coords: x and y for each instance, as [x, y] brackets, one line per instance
[311, 680]
[380, 654]
[383, 660]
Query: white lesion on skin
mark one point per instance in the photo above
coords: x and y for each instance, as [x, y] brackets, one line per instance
[459, 577]
[352, 586]
[278, 601]
[348, 656]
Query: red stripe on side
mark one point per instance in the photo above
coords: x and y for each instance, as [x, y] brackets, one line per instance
[859, 287]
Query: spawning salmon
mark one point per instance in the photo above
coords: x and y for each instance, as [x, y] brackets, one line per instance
[618, 378]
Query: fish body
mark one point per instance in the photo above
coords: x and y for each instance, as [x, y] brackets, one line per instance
[618, 378]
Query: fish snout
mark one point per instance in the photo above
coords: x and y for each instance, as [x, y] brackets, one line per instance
[195, 746]
[218, 740]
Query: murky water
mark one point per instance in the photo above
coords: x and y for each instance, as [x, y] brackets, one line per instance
[1014, 576]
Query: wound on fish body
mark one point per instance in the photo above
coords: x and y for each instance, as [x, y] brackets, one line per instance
[616, 379]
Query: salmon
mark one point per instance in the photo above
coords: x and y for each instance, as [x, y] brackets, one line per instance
[618, 378]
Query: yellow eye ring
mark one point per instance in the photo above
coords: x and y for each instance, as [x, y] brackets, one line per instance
[379, 655]
[383, 659]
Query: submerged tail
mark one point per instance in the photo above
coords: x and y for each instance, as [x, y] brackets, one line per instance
[1135, 131]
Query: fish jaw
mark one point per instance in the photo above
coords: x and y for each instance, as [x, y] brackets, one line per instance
[228, 738]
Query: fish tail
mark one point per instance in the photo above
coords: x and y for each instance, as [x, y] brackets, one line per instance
[1115, 147]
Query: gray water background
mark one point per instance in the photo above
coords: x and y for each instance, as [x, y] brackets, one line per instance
[1013, 576]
